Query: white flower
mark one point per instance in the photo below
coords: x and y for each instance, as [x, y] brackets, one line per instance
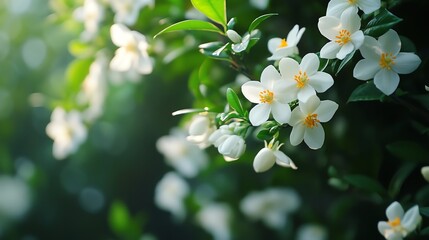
[344, 34]
[229, 144]
[67, 130]
[306, 121]
[127, 11]
[269, 155]
[383, 61]
[240, 43]
[303, 79]
[91, 13]
[272, 206]
[311, 232]
[425, 173]
[270, 96]
[94, 88]
[280, 47]
[399, 225]
[132, 52]
[216, 219]
[186, 157]
[200, 129]
[170, 192]
[259, 4]
[337, 7]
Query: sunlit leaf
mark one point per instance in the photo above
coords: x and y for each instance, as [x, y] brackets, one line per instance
[119, 217]
[213, 9]
[259, 20]
[196, 25]
[234, 101]
[76, 73]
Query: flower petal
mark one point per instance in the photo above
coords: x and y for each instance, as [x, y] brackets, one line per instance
[264, 160]
[305, 93]
[350, 20]
[296, 117]
[406, 63]
[310, 64]
[394, 210]
[268, 76]
[122, 61]
[297, 134]
[251, 90]
[326, 110]
[273, 44]
[120, 34]
[345, 50]
[386, 81]
[281, 112]
[321, 81]
[259, 114]
[330, 50]
[336, 7]
[310, 105]
[283, 160]
[366, 69]
[328, 26]
[370, 49]
[411, 219]
[314, 137]
[369, 6]
[288, 68]
[390, 42]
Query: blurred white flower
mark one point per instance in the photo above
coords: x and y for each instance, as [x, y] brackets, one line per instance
[259, 4]
[425, 173]
[94, 88]
[15, 198]
[270, 96]
[91, 14]
[230, 145]
[383, 61]
[240, 43]
[343, 33]
[280, 47]
[304, 79]
[272, 206]
[337, 7]
[187, 158]
[67, 130]
[216, 219]
[306, 121]
[200, 129]
[127, 11]
[269, 155]
[311, 232]
[132, 52]
[399, 225]
[170, 193]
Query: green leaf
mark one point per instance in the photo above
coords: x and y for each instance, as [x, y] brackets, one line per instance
[259, 20]
[381, 23]
[196, 25]
[424, 231]
[345, 61]
[424, 211]
[399, 178]
[213, 9]
[366, 92]
[76, 72]
[119, 217]
[80, 49]
[365, 183]
[408, 151]
[234, 101]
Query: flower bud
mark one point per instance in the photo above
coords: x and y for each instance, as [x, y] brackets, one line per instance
[200, 130]
[234, 36]
[264, 160]
[232, 148]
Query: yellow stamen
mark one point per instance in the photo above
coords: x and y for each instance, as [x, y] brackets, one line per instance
[387, 60]
[311, 120]
[301, 79]
[266, 96]
[343, 37]
[283, 43]
[395, 222]
[352, 1]
[131, 47]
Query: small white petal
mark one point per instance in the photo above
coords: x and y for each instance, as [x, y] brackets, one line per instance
[350, 20]
[358, 39]
[310, 64]
[345, 50]
[425, 173]
[305, 93]
[273, 44]
[390, 42]
[259, 114]
[386, 81]
[326, 110]
[369, 6]
[406, 63]
[296, 117]
[321, 81]
[394, 210]
[281, 112]
[268, 76]
[122, 61]
[411, 219]
[283, 160]
[314, 137]
[370, 49]
[288, 68]
[310, 105]
[251, 90]
[119, 34]
[328, 26]
[336, 7]
[366, 69]
[383, 227]
[264, 160]
[297, 134]
[330, 50]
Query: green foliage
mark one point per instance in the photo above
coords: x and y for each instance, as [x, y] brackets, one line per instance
[366, 92]
[382, 21]
[197, 25]
[213, 9]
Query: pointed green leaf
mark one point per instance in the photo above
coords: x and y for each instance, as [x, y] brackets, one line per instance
[345, 61]
[365, 183]
[197, 25]
[381, 23]
[234, 102]
[260, 19]
[366, 92]
[424, 211]
[213, 9]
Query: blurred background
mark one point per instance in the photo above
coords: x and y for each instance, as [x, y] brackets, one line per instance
[106, 188]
